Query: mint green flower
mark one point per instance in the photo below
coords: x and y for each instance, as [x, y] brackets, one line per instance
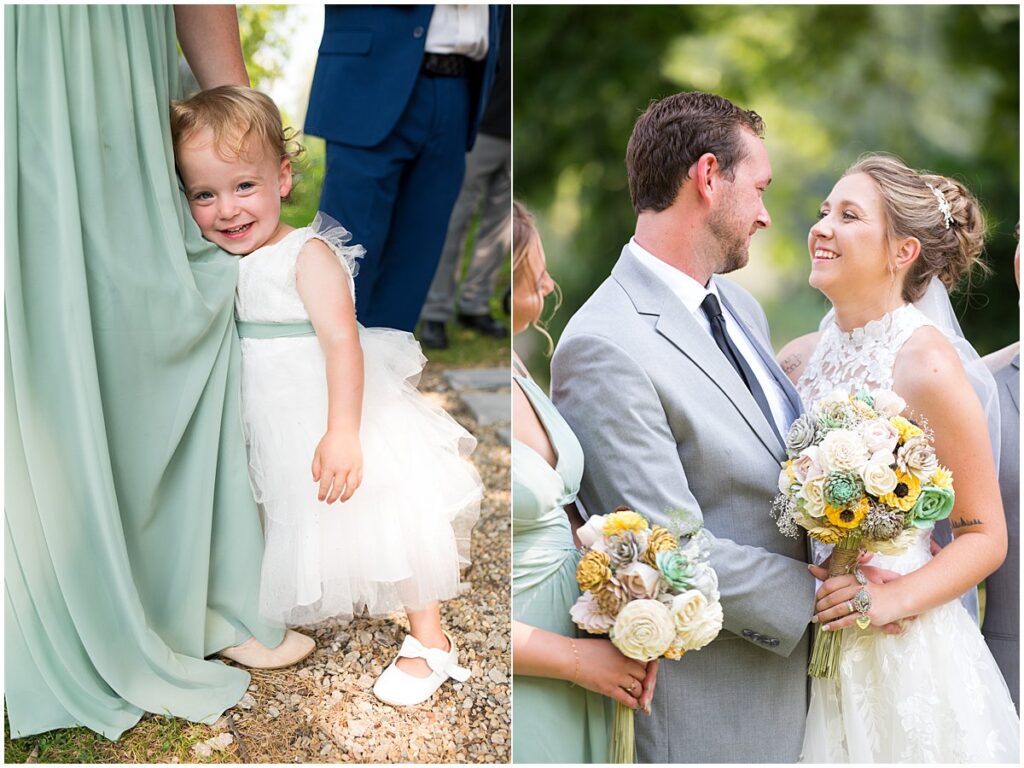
[843, 488]
[676, 569]
[932, 505]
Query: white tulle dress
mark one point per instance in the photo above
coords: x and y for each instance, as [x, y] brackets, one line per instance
[933, 694]
[399, 542]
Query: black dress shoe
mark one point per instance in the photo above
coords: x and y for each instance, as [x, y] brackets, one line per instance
[486, 324]
[433, 335]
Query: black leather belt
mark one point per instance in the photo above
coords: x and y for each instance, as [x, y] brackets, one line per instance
[446, 64]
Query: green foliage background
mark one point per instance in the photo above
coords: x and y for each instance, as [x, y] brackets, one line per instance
[936, 85]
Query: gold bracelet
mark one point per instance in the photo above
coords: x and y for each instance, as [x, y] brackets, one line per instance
[576, 653]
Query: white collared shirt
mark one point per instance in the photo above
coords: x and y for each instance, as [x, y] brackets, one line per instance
[692, 294]
[458, 29]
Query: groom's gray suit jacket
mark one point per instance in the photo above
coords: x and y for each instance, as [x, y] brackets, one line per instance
[667, 424]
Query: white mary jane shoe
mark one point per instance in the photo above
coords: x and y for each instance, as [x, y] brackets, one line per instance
[401, 689]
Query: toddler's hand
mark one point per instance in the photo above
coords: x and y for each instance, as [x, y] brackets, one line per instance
[338, 466]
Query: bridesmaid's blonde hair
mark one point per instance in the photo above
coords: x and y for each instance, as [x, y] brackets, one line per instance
[524, 237]
[242, 121]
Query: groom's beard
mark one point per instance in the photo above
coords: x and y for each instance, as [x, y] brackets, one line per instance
[732, 239]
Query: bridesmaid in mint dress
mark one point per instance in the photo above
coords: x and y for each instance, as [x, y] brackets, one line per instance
[556, 721]
[132, 543]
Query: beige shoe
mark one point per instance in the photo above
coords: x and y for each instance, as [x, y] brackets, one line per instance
[255, 655]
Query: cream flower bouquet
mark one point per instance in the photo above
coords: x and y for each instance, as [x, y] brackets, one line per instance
[860, 477]
[651, 597]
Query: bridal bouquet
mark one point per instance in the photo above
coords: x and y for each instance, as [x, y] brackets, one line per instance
[859, 476]
[651, 597]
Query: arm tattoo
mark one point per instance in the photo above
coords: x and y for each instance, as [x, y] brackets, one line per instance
[791, 363]
[954, 524]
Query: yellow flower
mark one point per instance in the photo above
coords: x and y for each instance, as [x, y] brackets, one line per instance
[623, 520]
[660, 541]
[674, 652]
[904, 495]
[943, 478]
[825, 535]
[906, 429]
[593, 570]
[849, 517]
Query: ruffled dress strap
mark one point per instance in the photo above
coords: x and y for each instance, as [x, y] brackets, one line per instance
[337, 238]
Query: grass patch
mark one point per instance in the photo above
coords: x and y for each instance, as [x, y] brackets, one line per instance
[155, 739]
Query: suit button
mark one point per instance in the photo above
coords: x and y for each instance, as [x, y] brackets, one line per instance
[418, 32]
[748, 633]
[773, 641]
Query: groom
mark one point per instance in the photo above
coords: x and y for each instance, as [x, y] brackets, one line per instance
[667, 377]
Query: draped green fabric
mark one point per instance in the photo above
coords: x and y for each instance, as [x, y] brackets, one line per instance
[554, 721]
[132, 542]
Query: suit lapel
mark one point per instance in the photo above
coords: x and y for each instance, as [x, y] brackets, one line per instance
[1014, 385]
[652, 297]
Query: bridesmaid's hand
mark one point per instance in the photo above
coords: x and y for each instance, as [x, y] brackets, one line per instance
[338, 466]
[649, 682]
[605, 670]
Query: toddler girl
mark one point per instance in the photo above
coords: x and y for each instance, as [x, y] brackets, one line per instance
[330, 409]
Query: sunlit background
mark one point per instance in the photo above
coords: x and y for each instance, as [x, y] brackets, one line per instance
[936, 85]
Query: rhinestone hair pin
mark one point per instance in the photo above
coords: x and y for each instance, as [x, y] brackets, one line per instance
[947, 212]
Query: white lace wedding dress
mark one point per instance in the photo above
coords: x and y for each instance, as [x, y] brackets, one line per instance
[933, 694]
[400, 540]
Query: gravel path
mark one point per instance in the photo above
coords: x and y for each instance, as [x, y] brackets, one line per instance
[323, 710]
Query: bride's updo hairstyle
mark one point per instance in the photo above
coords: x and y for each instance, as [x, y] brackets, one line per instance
[951, 240]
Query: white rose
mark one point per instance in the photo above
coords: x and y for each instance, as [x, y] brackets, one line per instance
[879, 435]
[592, 531]
[785, 480]
[640, 580]
[807, 464]
[842, 450]
[888, 403]
[643, 630]
[836, 396]
[696, 620]
[813, 494]
[896, 546]
[878, 476]
[588, 617]
[707, 582]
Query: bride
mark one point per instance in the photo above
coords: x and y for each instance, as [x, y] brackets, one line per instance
[887, 241]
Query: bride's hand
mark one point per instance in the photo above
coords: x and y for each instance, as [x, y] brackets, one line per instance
[834, 608]
[605, 670]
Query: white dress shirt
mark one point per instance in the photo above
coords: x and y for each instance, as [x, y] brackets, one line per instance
[458, 29]
[692, 294]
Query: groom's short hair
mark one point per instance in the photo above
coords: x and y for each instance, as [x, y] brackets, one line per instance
[672, 134]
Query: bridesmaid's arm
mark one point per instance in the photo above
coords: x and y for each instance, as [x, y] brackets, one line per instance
[595, 665]
[210, 41]
[930, 377]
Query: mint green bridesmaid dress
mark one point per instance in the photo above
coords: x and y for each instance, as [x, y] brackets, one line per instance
[132, 543]
[554, 722]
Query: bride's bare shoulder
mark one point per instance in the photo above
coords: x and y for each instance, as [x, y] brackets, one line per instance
[793, 356]
[928, 367]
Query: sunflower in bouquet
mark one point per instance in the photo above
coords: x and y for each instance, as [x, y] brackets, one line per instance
[860, 477]
[651, 596]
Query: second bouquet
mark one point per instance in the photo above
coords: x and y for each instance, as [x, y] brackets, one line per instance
[651, 596]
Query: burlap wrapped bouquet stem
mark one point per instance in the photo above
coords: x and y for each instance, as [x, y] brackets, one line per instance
[827, 645]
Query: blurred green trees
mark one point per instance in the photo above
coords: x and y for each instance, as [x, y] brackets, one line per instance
[936, 85]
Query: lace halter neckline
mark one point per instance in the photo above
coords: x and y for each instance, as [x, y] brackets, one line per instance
[862, 358]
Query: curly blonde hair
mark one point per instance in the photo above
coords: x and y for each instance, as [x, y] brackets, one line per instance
[241, 119]
[951, 252]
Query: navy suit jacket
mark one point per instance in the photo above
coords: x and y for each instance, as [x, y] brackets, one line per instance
[367, 66]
